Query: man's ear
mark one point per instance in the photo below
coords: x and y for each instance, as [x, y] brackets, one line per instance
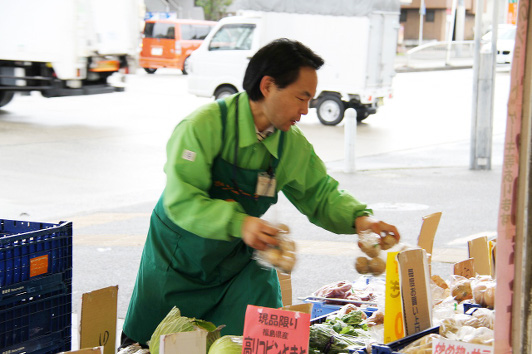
[266, 85]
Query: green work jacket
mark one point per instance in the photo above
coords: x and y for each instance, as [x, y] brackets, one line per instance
[301, 175]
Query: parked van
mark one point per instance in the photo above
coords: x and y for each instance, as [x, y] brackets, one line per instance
[167, 43]
[358, 47]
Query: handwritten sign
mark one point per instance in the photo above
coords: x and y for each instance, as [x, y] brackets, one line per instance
[98, 319]
[465, 268]
[443, 346]
[393, 322]
[272, 331]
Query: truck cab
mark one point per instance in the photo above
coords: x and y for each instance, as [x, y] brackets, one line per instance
[218, 65]
[359, 53]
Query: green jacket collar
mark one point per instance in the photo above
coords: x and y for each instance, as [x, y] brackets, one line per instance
[246, 128]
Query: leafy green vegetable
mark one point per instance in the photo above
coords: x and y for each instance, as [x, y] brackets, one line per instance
[324, 339]
[174, 323]
[354, 318]
[339, 334]
[227, 345]
[313, 351]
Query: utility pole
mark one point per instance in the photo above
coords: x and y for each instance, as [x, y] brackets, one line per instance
[460, 20]
[483, 92]
[350, 135]
[422, 11]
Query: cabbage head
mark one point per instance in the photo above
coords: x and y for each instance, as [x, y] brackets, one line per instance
[174, 323]
[227, 345]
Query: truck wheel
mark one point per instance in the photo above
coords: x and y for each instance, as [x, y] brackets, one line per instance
[362, 114]
[185, 70]
[330, 109]
[150, 70]
[224, 91]
[6, 97]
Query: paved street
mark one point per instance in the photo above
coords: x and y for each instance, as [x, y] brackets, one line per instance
[97, 161]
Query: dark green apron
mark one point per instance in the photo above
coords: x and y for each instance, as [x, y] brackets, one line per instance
[207, 279]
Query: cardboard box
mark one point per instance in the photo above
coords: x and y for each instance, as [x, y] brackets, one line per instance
[416, 296]
[286, 288]
[305, 308]
[98, 319]
[428, 232]
[479, 250]
[193, 342]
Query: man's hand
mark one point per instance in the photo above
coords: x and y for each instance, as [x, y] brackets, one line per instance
[363, 223]
[258, 234]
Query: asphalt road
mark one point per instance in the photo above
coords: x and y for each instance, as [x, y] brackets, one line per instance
[97, 161]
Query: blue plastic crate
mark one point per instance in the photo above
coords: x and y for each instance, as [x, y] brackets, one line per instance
[31, 253]
[50, 344]
[319, 308]
[37, 322]
[35, 287]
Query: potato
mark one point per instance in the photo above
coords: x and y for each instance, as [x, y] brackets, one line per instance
[287, 245]
[478, 293]
[273, 255]
[372, 250]
[388, 242]
[361, 265]
[283, 228]
[489, 296]
[377, 266]
[287, 262]
[369, 243]
[462, 290]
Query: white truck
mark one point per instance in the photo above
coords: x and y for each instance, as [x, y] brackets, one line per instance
[67, 47]
[357, 39]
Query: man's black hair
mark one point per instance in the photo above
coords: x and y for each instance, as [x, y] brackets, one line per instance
[281, 59]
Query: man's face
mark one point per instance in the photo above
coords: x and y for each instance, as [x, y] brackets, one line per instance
[284, 107]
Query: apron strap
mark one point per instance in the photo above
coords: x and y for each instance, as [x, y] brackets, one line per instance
[279, 151]
[223, 110]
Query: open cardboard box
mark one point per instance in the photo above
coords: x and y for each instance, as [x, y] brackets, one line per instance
[98, 325]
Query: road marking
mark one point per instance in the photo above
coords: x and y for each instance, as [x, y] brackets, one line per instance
[79, 222]
[103, 241]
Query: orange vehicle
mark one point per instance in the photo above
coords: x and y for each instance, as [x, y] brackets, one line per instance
[167, 43]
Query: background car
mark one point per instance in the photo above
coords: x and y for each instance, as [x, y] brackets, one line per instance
[167, 43]
[505, 42]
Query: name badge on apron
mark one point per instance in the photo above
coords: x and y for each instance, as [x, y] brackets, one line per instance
[266, 184]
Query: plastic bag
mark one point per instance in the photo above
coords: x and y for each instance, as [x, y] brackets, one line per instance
[421, 346]
[483, 289]
[461, 288]
[376, 248]
[281, 257]
[481, 317]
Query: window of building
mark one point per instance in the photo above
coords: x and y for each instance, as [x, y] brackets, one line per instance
[402, 17]
[429, 16]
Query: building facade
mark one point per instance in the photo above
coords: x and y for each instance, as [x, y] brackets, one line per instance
[437, 17]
